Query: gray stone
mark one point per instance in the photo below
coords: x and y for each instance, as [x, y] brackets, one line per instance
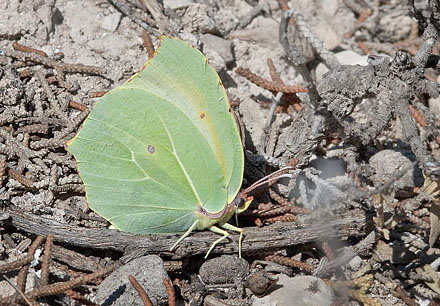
[175, 4]
[434, 105]
[220, 45]
[346, 57]
[198, 17]
[387, 162]
[111, 22]
[225, 269]
[349, 57]
[297, 291]
[254, 121]
[264, 32]
[215, 60]
[324, 18]
[330, 37]
[31, 17]
[149, 271]
[355, 263]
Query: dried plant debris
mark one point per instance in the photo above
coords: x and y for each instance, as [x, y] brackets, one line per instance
[44, 289]
[393, 86]
[36, 122]
[360, 211]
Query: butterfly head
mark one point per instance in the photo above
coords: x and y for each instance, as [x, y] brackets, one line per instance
[242, 202]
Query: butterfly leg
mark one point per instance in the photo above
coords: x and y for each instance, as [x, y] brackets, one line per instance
[193, 226]
[216, 230]
[230, 227]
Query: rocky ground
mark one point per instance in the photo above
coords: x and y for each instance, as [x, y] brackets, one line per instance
[356, 224]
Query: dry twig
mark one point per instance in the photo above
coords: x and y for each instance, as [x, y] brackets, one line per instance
[77, 188]
[271, 86]
[140, 290]
[9, 266]
[78, 297]
[289, 99]
[170, 291]
[37, 58]
[418, 116]
[128, 12]
[61, 287]
[351, 224]
[25, 73]
[22, 274]
[26, 49]
[78, 106]
[2, 168]
[328, 251]
[20, 178]
[25, 298]
[44, 279]
[161, 21]
[148, 44]
[97, 94]
[286, 261]
[409, 301]
[40, 128]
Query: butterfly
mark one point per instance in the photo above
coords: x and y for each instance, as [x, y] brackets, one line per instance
[162, 153]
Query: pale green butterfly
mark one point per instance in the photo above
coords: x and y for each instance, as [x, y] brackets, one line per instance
[162, 153]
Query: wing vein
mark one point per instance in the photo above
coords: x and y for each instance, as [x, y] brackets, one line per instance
[190, 182]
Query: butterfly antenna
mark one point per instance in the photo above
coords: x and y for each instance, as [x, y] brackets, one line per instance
[270, 178]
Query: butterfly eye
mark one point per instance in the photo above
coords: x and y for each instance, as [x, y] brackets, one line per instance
[240, 203]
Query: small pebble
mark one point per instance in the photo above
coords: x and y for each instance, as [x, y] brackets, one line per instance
[111, 22]
[225, 269]
[297, 291]
[116, 290]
